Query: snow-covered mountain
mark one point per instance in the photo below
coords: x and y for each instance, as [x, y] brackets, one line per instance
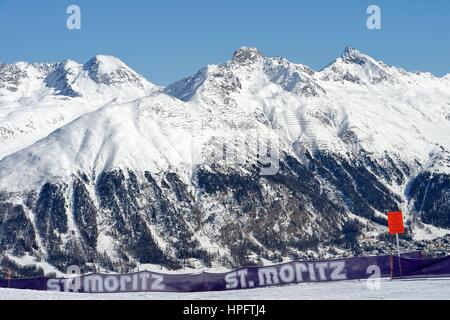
[36, 99]
[255, 159]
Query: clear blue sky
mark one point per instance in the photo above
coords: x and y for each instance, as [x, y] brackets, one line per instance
[166, 40]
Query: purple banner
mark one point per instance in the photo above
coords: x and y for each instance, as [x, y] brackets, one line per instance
[409, 266]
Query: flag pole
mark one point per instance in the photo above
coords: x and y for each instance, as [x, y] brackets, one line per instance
[399, 255]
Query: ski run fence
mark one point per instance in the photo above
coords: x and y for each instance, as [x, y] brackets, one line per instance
[407, 266]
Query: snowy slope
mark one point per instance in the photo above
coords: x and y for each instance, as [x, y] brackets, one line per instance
[152, 133]
[426, 289]
[36, 99]
[386, 108]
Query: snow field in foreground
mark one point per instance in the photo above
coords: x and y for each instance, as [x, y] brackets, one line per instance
[422, 289]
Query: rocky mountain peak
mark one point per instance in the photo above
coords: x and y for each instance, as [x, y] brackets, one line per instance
[103, 69]
[352, 55]
[245, 55]
[358, 68]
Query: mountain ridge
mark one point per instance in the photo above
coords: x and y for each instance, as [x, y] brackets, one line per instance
[252, 160]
